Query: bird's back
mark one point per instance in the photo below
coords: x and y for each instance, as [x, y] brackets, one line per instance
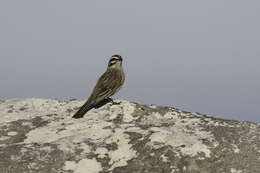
[107, 85]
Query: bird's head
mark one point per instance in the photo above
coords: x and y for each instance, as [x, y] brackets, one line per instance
[115, 61]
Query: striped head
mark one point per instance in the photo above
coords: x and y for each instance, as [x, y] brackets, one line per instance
[115, 61]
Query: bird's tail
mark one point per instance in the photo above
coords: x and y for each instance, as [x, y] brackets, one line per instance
[83, 110]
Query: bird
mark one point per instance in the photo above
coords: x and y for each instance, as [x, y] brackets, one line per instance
[107, 85]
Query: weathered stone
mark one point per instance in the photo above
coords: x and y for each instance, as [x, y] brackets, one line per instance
[39, 136]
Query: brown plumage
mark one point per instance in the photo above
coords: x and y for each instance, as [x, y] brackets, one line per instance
[107, 85]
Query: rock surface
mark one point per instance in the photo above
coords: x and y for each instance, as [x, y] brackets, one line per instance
[39, 136]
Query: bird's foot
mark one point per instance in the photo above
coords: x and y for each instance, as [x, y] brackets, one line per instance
[113, 102]
[105, 101]
[116, 103]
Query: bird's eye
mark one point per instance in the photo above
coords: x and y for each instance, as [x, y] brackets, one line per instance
[113, 59]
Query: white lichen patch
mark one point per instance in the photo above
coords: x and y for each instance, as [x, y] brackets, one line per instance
[83, 166]
[76, 134]
[188, 144]
[233, 170]
[15, 109]
[189, 141]
[101, 152]
[70, 165]
[124, 152]
[154, 119]
[235, 148]
[12, 133]
[137, 130]
[3, 138]
[128, 111]
[164, 158]
[73, 134]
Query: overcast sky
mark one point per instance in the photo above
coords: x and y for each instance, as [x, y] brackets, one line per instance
[200, 56]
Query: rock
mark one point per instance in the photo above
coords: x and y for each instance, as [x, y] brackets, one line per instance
[39, 136]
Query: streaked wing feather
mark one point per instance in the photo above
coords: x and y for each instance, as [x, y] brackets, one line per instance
[103, 89]
[107, 85]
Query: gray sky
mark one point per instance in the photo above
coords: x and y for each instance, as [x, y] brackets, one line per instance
[201, 56]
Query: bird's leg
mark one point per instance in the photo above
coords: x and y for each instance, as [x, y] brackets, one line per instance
[105, 101]
[101, 103]
[110, 100]
[113, 102]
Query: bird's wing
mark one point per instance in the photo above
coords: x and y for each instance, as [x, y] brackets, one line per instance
[107, 85]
